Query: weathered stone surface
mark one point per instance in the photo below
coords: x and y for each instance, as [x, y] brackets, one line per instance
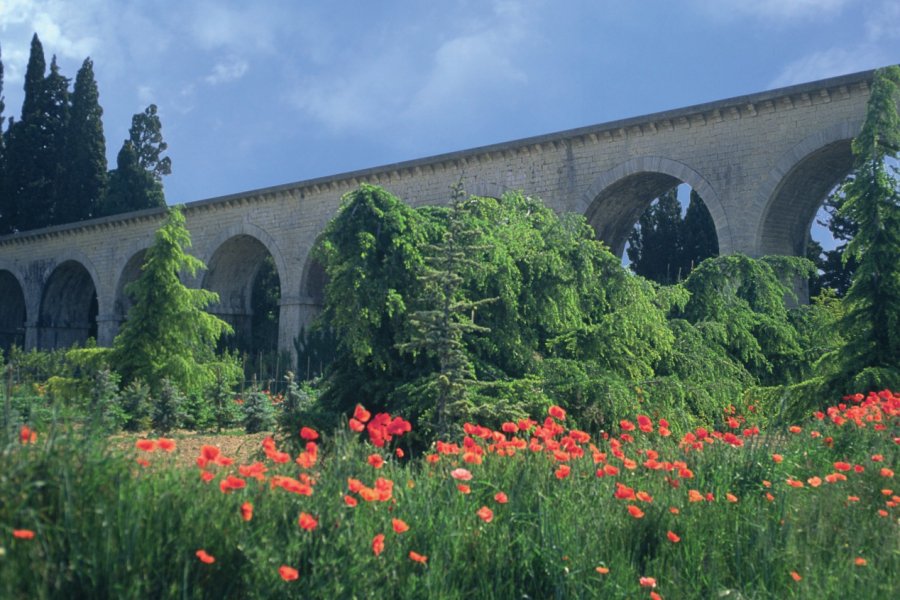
[762, 164]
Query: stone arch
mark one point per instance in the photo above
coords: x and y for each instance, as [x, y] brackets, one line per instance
[13, 310]
[129, 274]
[313, 281]
[69, 306]
[615, 200]
[232, 272]
[797, 185]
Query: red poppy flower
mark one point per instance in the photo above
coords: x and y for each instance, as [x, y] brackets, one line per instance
[563, 471]
[356, 426]
[205, 557]
[557, 412]
[501, 498]
[885, 472]
[649, 582]
[673, 537]
[231, 483]
[378, 544]
[27, 435]
[399, 525]
[602, 570]
[644, 423]
[635, 512]
[859, 561]
[461, 474]
[842, 466]
[777, 458]
[463, 488]
[731, 497]
[796, 576]
[375, 460]
[350, 501]
[361, 414]
[288, 573]
[419, 558]
[795, 429]
[166, 444]
[485, 514]
[309, 434]
[655, 596]
[307, 521]
[246, 511]
[695, 496]
[145, 445]
[626, 425]
[814, 481]
[23, 534]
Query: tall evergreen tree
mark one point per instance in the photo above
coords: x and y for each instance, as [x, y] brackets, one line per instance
[130, 186]
[698, 235]
[6, 223]
[86, 175]
[654, 244]
[55, 122]
[146, 137]
[871, 356]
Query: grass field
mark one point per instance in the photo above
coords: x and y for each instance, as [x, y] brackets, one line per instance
[532, 510]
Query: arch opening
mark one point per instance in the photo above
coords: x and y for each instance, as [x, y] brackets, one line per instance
[243, 273]
[13, 312]
[68, 313]
[130, 274]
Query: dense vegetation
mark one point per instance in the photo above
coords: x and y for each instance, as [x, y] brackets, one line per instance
[53, 167]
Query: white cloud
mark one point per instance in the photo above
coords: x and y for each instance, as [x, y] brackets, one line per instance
[829, 63]
[226, 72]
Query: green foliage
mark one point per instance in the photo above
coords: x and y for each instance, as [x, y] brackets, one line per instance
[168, 412]
[316, 350]
[106, 413]
[870, 357]
[168, 334]
[737, 303]
[130, 186]
[137, 404]
[225, 412]
[145, 136]
[258, 412]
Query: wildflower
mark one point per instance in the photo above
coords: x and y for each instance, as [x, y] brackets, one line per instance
[649, 582]
[307, 521]
[644, 497]
[770, 497]
[674, 510]
[673, 537]
[350, 501]
[626, 425]
[375, 460]
[877, 457]
[399, 525]
[461, 474]
[143, 462]
[557, 412]
[655, 596]
[695, 496]
[794, 483]
[463, 488]
[852, 498]
[602, 570]
[859, 561]
[288, 573]
[635, 512]
[145, 445]
[842, 466]
[356, 426]
[882, 513]
[206, 476]
[419, 558]
[361, 414]
[205, 557]
[796, 576]
[885, 472]
[23, 534]
[563, 471]
[309, 434]
[27, 435]
[795, 429]
[378, 544]
[731, 497]
[777, 458]
[231, 483]
[644, 423]
[166, 444]
[399, 452]
[501, 498]
[814, 481]
[485, 514]
[246, 511]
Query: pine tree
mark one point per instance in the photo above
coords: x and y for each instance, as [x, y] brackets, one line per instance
[698, 235]
[871, 356]
[86, 169]
[130, 186]
[146, 137]
[55, 119]
[654, 245]
[168, 334]
[445, 316]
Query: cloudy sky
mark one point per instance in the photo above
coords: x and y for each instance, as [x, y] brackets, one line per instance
[255, 94]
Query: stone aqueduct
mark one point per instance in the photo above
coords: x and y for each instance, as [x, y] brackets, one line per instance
[762, 163]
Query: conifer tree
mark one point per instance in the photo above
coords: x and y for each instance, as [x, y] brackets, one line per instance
[146, 137]
[168, 334]
[6, 223]
[654, 244]
[130, 186]
[698, 235]
[86, 170]
[871, 356]
[55, 115]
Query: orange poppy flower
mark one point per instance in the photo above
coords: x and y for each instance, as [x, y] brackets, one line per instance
[485, 514]
[419, 558]
[375, 460]
[399, 525]
[796, 576]
[777, 458]
[674, 510]
[635, 512]
[463, 488]
[246, 511]
[350, 501]
[673, 537]
[307, 521]
[695, 496]
[795, 429]
[859, 561]
[27, 435]
[23, 534]
[602, 570]
[814, 481]
[205, 557]
[288, 573]
[649, 582]
[378, 544]
[885, 472]
[655, 596]
[731, 497]
[501, 498]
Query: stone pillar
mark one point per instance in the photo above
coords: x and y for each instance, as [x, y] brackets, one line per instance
[107, 329]
[31, 335]
[295, 313]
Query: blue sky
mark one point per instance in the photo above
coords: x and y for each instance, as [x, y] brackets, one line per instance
[255, 94]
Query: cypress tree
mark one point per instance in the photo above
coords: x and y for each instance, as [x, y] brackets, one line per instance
[871, 356]
[130, 186]
[55, 122]
[698, 235]
[146, 137]
[86, 168]
[654, 245]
